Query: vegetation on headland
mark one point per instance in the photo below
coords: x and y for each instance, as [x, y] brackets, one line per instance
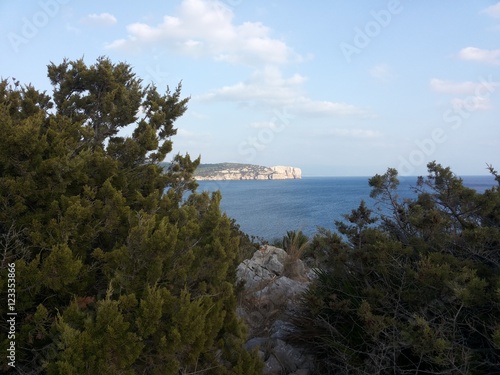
[241, 171]
[118, 273]
[237, 171]
[205, 170]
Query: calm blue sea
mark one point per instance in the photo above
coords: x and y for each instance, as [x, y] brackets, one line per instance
[268, 209]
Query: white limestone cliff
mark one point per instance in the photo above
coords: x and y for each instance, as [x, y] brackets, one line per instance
[253, 173]
[283, 173]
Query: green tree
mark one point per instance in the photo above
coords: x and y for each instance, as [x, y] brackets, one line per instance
[359, 219]
[419, 293]
[121, 266]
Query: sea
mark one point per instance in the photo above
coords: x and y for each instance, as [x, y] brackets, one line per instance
[267, 209]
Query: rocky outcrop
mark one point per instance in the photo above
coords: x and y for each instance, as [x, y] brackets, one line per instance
[230, 171]
[269, 299]
[283, 173]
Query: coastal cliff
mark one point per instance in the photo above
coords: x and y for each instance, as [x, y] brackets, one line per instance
[234, 171]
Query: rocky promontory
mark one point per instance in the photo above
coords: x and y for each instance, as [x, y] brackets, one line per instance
[235, 171]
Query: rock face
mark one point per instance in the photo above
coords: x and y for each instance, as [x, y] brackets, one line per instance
[283, 173]
[232, 171]
[268, 301]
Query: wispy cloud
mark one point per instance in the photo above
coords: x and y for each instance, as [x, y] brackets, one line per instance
[268, 88]
[461, 88]
[183, 133]
[474, 95]
[472, 103]
[307, 106]
[381, 72]
[493, 10]
[261, 125]
[206, 28]
[265, 85]
[350, 133]
[480, 55]
[103, 19]
[193, 138]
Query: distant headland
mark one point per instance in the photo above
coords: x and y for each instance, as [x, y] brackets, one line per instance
[236, 171]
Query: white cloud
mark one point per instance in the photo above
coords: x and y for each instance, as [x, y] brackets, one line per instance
[381, 72]
[72, 29]
[265, 85]
[480, 88]
[493, 10]
[472, 103]
[103, 19]
[205, 28]
[181, 132]
[307, 106]
[262, 125]
[475, 95]
[185, 133]
[351, 133]
[189, 138]
[461, 88]
[480, 55]
[269, 89]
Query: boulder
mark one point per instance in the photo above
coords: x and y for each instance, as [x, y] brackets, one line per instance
[272, 366]
[267, 302]
[282, 290]
[256, 342]
[265, 265]
[280, 329]
[289, 357]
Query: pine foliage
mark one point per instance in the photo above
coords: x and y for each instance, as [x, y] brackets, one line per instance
[121, 266]
[417, 294]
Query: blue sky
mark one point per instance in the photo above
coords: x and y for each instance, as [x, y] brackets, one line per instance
[333, 87]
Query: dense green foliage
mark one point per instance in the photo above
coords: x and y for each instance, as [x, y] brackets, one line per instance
[416, 293]
[116, 271]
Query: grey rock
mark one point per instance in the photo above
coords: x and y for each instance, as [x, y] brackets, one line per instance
[290, 358]
[282, 290]
[280, 329]
[272, 367]
[265, 265]
[274, 265]
[311, 274]
[267, 302]
[259, 342]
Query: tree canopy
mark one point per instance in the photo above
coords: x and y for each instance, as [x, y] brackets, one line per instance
[117, 272]
[418, 293]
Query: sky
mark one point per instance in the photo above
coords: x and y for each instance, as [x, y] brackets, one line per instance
[336, 88]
